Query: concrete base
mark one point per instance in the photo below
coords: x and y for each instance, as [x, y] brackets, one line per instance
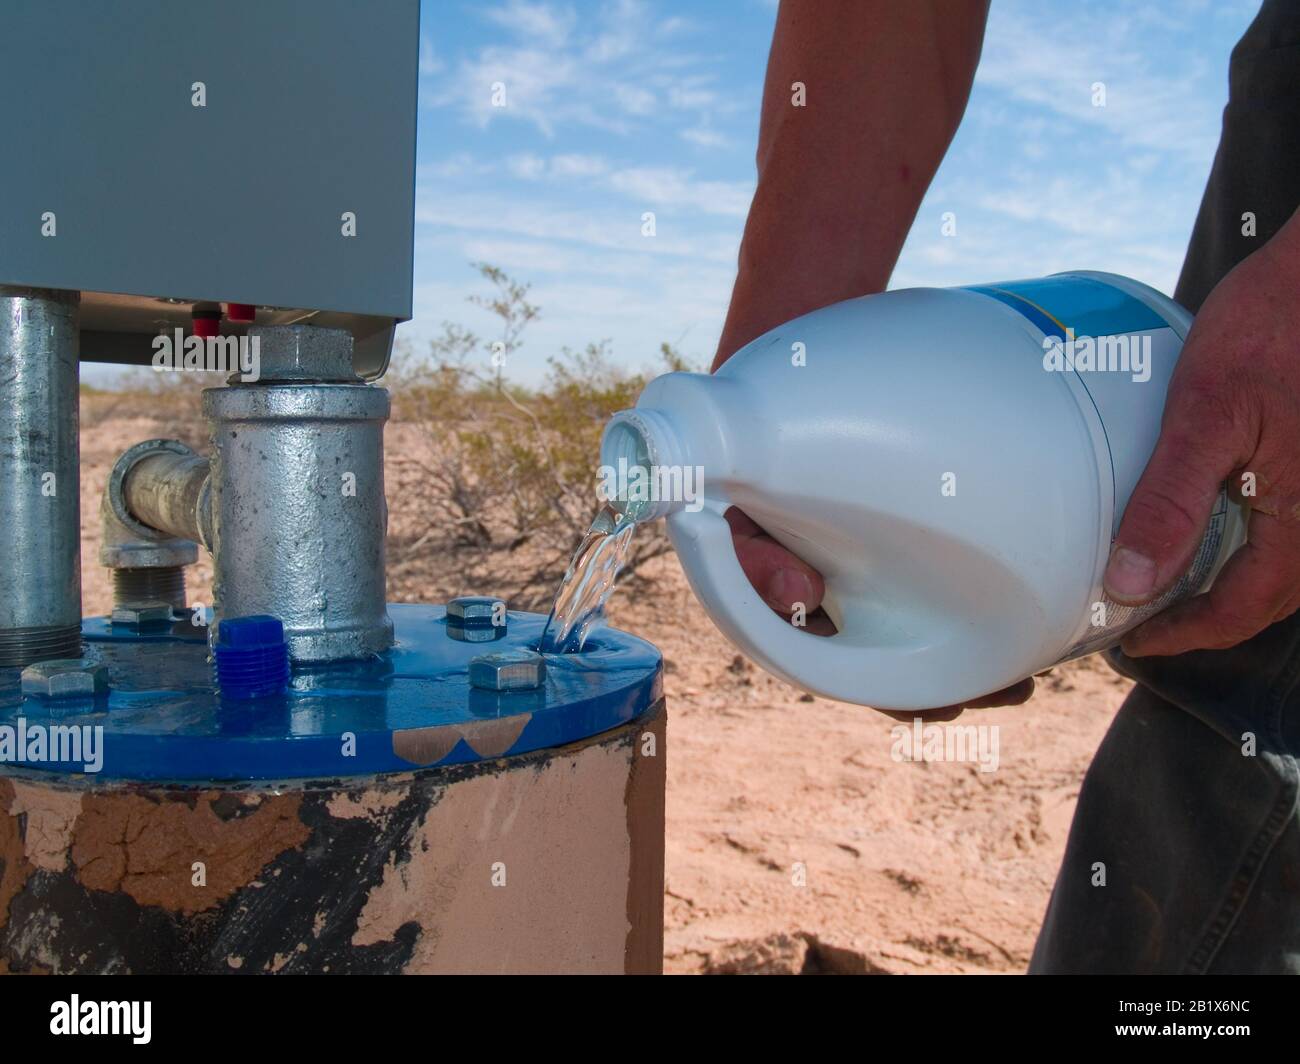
[547, 862]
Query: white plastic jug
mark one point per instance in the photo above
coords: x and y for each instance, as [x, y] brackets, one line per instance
[955, 462]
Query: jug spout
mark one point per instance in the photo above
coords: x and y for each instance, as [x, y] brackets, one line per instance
[678, 447]
[643, 472]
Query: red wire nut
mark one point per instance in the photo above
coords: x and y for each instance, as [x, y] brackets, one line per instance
[207, 323]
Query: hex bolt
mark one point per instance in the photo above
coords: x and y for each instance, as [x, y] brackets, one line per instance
[65, 678]
[473, 619]
[477, 609]
[509, 670]
[142, 614]
[302, 353]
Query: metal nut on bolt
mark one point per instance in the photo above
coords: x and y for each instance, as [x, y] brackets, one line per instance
[476, 619]
[302, 352]
[65, 678]
[142, 614]
[510, 670]
[480, 608]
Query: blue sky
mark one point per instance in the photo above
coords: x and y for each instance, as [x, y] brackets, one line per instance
[617, 108]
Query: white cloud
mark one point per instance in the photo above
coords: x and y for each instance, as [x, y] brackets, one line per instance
[543, 23]
[643, 186]
[524, 258]
[670, 27]
[669, 186]
[1045, 221]
[704, 137]
[565, 166]
[1150, 103]
[636, 100]
[608, 227]
[459, 165]
[692, 95]
[527, 167]
[429, 62]
[614, 72]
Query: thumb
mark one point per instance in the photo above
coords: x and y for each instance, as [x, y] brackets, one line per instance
[1169, 509]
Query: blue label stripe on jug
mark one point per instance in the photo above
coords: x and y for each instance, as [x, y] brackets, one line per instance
[1083, 304]
[1087, 308]
[1045, 323]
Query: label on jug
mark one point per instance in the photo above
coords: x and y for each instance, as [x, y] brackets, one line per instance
[1141, 346]
[1110, 619]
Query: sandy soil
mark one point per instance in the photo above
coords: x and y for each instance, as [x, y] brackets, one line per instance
[906, 866]
[795, 841]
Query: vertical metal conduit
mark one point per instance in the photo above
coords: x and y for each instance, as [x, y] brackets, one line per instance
[40, 511]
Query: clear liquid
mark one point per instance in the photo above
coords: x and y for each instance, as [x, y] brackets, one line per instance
[580, 602]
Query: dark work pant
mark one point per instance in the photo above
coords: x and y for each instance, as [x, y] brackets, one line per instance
[1184, 854]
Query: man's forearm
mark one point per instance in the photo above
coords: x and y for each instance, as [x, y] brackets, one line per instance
[840, 178]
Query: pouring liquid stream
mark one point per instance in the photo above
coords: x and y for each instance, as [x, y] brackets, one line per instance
[580, 602]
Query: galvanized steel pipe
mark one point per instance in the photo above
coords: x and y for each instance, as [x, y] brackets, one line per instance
[298, 513]
[169, 492]
[152, 484]
[40, 510]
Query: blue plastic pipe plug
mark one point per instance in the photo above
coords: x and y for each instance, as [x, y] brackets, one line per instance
[252, 657]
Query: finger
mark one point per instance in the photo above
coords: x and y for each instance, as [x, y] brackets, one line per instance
[1015, 695]
[785, 581]
[1257, 497]
[1256, 587]
[1200, 444]
[930, 716]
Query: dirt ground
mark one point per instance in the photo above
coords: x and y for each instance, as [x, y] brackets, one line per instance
[795, 841]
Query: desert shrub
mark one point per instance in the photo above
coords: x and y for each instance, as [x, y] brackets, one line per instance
[495, 482]
[173, 400]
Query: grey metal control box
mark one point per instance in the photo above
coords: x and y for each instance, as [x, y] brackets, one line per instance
[160, 156]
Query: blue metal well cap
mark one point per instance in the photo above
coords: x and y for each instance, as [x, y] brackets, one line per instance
[167, 717]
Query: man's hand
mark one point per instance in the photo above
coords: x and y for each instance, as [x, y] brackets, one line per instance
[1233, 413]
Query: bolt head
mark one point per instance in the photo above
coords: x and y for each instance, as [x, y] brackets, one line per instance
[302, 353]
[476, 608]
[142, 614]
[509, 670]
[476, 619]
[65, 678]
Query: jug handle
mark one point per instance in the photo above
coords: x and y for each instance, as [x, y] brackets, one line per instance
[702, 539]
[914, 674]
